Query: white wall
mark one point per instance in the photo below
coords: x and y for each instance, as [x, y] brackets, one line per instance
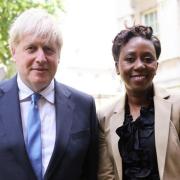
[169, 28]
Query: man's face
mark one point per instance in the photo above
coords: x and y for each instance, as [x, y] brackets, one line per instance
[36, 61]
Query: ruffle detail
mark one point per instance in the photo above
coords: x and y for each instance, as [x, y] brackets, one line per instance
[132, 145]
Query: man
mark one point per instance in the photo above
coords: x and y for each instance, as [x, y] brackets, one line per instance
[65, 140]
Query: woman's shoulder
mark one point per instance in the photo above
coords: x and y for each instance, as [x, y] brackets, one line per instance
[113, 105]
[175, 97]
[167, 94]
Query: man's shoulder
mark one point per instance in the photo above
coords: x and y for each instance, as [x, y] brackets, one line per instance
[7, 83]
[3, 82]
[70, 91]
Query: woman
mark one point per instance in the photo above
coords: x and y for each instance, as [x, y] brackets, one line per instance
[140, 132]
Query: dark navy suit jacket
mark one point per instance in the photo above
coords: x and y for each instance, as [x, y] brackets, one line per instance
[75, 153]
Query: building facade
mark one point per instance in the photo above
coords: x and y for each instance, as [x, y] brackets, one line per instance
[164, 17]
[91, 67]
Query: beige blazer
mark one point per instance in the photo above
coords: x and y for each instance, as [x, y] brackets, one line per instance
[167, 137]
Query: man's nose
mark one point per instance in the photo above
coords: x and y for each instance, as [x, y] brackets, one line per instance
[40, 57]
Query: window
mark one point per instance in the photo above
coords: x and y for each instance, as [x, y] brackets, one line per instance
[150, 19]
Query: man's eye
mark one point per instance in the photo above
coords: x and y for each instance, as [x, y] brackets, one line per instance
[30, 49]
[49, 50]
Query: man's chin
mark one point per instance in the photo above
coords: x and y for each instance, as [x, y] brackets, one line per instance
[39, 85]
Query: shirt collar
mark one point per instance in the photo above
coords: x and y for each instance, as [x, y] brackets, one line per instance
[25, 91]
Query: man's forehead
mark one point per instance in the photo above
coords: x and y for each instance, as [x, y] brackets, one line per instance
[34, 39]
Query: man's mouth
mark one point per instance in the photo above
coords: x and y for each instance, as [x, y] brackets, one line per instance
[39, 69]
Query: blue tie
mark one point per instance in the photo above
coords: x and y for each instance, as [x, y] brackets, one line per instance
[33, 143]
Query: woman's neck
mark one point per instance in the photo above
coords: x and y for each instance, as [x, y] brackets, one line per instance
[136, 100]
[140, 98]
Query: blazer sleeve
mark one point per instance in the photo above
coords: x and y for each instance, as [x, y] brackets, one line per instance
[175, 112]
[105, 167]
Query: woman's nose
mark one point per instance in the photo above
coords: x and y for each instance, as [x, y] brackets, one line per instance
[139, 64]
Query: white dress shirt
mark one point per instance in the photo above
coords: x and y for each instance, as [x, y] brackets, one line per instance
[47, 116]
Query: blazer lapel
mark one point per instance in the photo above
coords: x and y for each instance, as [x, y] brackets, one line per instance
[116, 121]
[64, 118]
[162, 122]
[10, 117]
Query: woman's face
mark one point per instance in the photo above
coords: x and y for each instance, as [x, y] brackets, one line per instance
[137, 64]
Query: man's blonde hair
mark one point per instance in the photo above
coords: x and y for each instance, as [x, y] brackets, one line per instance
[38, 23]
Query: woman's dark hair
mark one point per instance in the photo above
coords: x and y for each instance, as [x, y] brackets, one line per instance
[124, 36]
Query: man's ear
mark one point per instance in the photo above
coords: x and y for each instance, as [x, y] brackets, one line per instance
[13, 53]
[117, 69]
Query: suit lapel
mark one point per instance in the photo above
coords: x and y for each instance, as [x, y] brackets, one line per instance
[162, 121]
[10, 117]
[64, 118]
[116, 121]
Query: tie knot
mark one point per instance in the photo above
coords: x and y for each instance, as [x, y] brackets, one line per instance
[35, 97]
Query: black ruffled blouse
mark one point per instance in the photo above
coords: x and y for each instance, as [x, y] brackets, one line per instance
[137, 145]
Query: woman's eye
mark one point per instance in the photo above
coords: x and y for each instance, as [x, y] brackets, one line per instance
[129, 59]
[148, 59]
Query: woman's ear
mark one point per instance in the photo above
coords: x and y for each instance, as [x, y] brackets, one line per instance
[156, 68]
[117, 68]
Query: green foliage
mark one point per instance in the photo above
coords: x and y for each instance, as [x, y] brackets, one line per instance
[8, 11]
